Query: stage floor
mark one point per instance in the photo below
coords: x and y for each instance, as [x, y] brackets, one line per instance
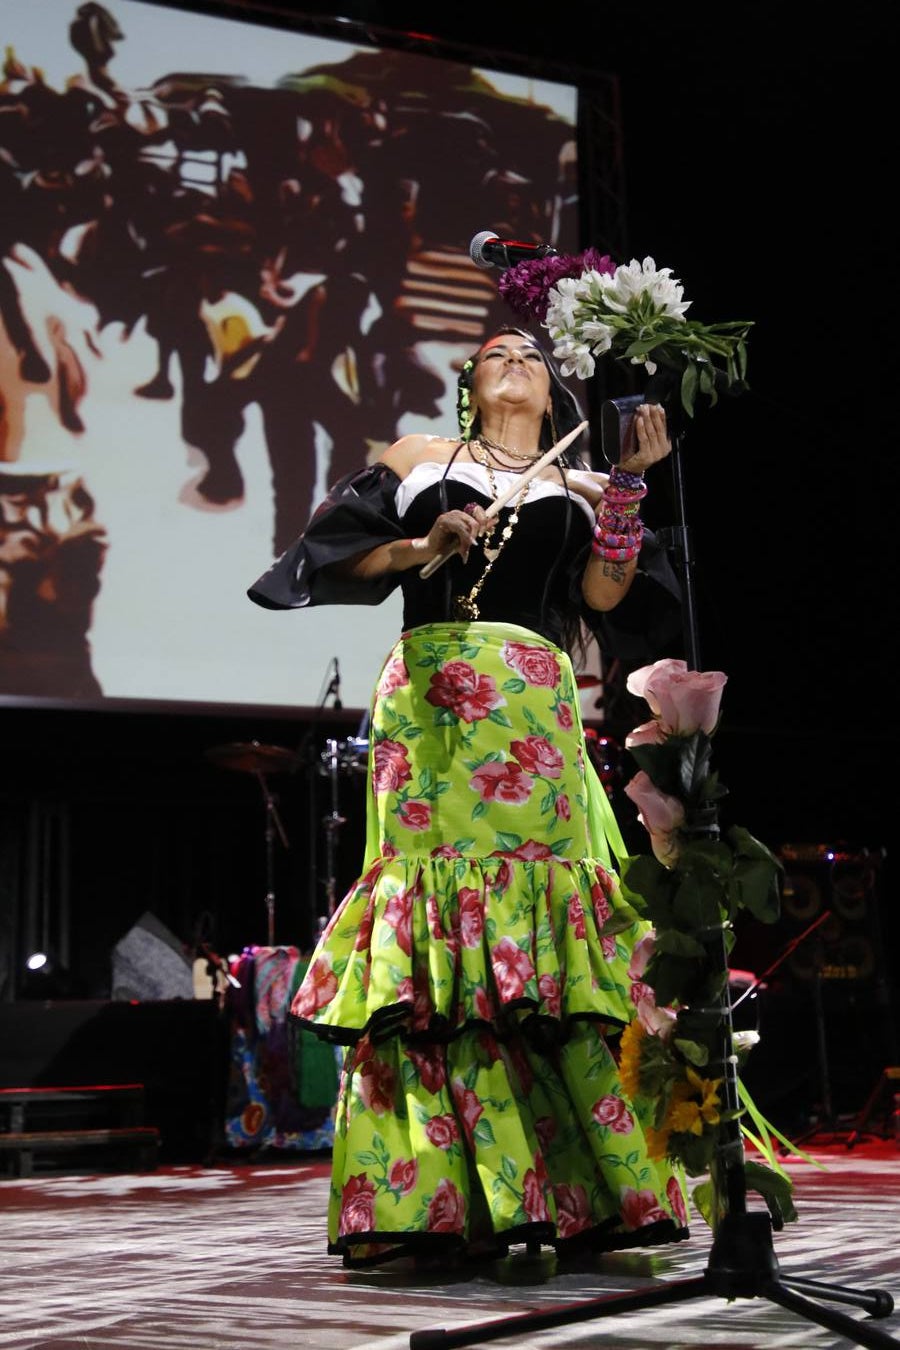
[232, 1257]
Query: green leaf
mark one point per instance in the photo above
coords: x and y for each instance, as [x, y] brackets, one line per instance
[775, 1188]
[689, 388]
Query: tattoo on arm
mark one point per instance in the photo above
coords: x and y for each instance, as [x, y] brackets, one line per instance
[615, 571]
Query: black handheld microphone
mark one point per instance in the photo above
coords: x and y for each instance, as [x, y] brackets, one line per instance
[487, 250]
[336, 685]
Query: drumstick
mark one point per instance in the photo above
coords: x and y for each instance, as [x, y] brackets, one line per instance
[496, 506]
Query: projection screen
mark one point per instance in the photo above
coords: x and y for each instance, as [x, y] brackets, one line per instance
[234, 268]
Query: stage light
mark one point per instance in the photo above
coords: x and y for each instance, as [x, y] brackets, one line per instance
[46, 977]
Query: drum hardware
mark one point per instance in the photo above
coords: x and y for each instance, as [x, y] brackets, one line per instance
[252, 757]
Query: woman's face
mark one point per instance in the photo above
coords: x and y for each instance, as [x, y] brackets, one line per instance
[510, 372]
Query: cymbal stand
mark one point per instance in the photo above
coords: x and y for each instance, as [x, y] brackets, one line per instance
[273, 823]
[332, 823]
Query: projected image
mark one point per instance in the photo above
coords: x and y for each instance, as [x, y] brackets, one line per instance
[233, 268]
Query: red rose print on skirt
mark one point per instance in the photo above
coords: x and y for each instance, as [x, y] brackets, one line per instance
[640, 1208]
[391, 769]
[404, 1175]
[573, 1213]
[513, 968]
[429, 1065]
[442, 1131]
[357, 1206]
[394, 676]
[446, 1209]
[538, 757]
[536, 665]
[414, 815]
[612, 1112]
[502, 782]
[318, 988]
[459, 688]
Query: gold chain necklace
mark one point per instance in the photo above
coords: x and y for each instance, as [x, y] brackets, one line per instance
[465, 606]
[487, 444]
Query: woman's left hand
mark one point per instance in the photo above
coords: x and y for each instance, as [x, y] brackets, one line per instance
[652, 438]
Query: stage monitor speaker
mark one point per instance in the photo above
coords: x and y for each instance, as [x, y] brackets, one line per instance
[150, 963]
[828, 926]
[825, 981]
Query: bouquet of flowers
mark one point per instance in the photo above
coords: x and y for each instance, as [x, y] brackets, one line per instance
[635, 311]
[690, 888]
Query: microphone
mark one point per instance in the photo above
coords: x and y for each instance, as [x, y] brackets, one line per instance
[335, 687]
[487, 250]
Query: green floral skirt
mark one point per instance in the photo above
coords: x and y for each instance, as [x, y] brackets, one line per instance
[478, 972]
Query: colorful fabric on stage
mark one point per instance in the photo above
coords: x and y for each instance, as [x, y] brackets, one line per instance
[477, 967]
[282, 1083]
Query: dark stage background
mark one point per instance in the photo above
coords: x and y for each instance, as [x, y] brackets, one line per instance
[755, 164]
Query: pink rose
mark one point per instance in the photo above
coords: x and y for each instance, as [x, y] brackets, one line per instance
[563, 807]
[468, 1107]
[650, 733]
[675, 1197]
[318, 988]
[394, 676]
[533, 1199]
[576, 917]
[445, 851]
[640, 1208]
[391, 766]
[357, 1206]
[659, 813]
[414, 815]
[501, 782]
[684, 700]
[612, 1112]
[640, 956]
[429, 1065]
[442, 1131]
[536, 665]
[459, 688]
[538, 757]
[564, 716]
[376, 1086]
[404, 1175]
[512, 968]
[529, 851]
[398, 914]
[573, 1212]
[446, 1209]
[471, 916]
[551, 994]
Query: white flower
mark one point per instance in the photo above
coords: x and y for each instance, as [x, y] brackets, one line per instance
[745, 1040]
[598, 335]
[575, 358]
[633, 280]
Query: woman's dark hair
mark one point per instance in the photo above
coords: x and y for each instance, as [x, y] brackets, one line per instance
[566, 413]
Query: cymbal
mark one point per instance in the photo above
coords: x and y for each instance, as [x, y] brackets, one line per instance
[251, 757]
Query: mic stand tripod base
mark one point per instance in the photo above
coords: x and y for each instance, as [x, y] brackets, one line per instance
[742, 1264]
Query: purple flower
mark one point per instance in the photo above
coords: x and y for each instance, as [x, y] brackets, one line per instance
[526, 287]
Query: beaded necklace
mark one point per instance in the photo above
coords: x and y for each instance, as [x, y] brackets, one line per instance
[465, 606]
[494, 446]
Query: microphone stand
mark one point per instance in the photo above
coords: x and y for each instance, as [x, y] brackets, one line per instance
[332, 823]
[742, 1261]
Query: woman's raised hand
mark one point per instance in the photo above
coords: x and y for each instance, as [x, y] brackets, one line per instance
[652, 438]
[455, 530]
